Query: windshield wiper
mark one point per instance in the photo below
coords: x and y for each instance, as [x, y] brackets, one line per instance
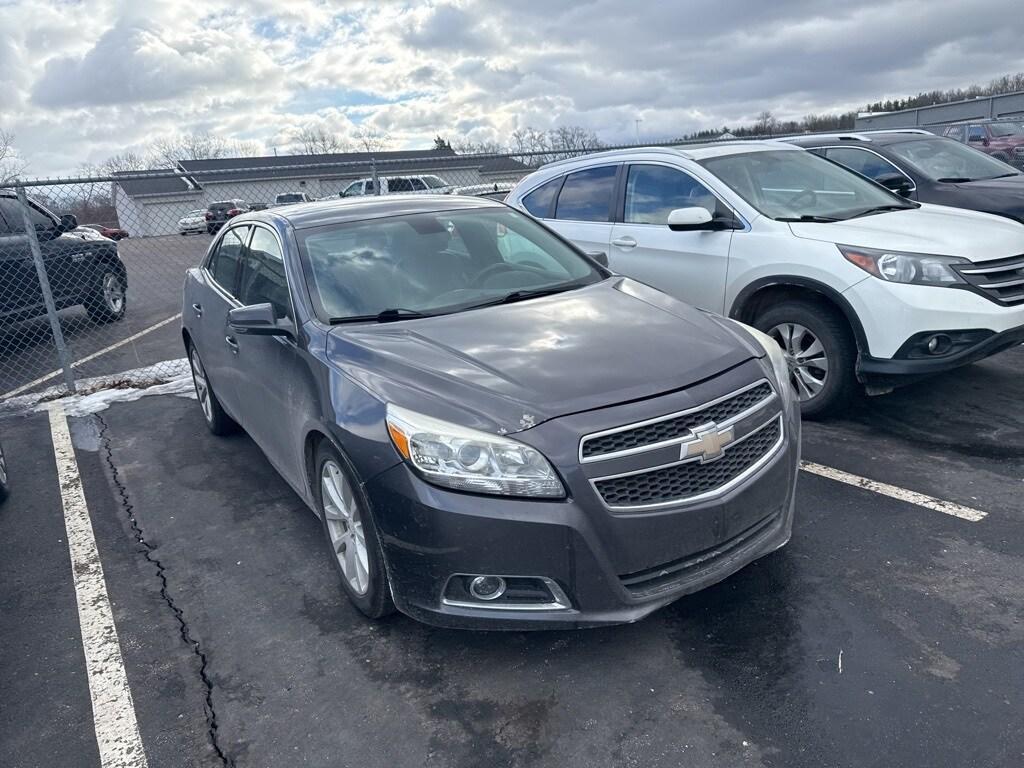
[384, 316]
[882, 209]
[809, 217]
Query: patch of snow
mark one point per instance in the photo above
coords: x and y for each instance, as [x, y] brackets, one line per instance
[83, 405]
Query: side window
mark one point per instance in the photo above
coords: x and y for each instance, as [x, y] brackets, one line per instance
[12, 221]
[863, 162]
[587, 195]
[976, 133]
[355, 188]
[399, 185]
[653, 191]
[224, 262]
[541, 201]
[263, 279]
[417, 184]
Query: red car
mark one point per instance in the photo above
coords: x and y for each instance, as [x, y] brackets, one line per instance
[1003, 139]
[114, 233]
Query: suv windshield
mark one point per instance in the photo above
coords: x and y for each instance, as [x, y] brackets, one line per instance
[434, 263]
[433, 182]
[289, 198]
[941, 159]
[1006, 129]
[796, 185]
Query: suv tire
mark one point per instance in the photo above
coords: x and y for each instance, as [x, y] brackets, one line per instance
[811, 332]
[107, 302]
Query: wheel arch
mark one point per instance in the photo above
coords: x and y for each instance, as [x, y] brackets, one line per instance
[769, 290]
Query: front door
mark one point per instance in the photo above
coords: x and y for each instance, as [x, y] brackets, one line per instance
[691, 266]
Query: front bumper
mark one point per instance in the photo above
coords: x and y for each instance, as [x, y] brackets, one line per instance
[429, 534]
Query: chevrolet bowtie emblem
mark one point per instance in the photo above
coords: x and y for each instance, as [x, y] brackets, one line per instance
[708, 443]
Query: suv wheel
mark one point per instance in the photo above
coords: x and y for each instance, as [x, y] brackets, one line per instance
[107, 302]
[820, 350]
[350, 534]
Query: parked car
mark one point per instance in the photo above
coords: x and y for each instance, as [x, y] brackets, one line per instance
[220, 212]
[1003, 139]
[922, 166]
[114, 233]
[461, 396]
[291, 198]
[193, 222]
[5, 487]
[496, 190]
[258, 206]
[856, 283]
[80, 270]
[390, 185]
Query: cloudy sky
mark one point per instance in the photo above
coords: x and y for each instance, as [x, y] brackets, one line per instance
[85, 79]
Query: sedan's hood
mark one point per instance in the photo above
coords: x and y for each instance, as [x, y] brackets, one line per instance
[509, 367]
[929, 229]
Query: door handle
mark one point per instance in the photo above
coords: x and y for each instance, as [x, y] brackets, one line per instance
[230, 341]
[624, 242]
[198, 310]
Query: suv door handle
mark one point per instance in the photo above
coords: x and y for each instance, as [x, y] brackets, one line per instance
[198, 309]
[624, 242]
[230, 341]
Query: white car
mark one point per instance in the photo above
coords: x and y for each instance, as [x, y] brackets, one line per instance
[391, 185]
[193, 222]
[856, 283]
[292, 198]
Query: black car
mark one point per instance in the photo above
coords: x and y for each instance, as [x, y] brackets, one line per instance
[494, 429]
[220, 212]
[927, 168]
[82, 267]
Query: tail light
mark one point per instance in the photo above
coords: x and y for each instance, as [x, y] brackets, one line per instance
[234, 211]
[208, 216]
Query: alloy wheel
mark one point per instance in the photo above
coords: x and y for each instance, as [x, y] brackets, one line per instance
[3, 467]
[201, 383]
[805, 354]
[113, 293]
[345, 527]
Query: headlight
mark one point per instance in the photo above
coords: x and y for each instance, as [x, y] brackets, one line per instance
[897, 267]
[776, 357]
[467, 460]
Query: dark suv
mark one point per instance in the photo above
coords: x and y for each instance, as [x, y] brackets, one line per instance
[927, 168]
[218, 213]
[1003, 139]
[81, 268]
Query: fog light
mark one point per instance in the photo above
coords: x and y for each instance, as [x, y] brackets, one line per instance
[939, 344]
[487, 587]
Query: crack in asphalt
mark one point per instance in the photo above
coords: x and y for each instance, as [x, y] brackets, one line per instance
[148, 550]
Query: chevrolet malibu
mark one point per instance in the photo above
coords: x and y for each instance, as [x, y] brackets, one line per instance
[494, 429]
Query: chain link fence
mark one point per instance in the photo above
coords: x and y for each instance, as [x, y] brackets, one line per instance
[91, 269]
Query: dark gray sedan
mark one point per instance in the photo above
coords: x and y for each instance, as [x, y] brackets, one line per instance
[494, 429]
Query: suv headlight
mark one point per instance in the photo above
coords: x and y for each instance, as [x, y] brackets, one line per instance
[467, 460]
[776, 357]
[911, 268]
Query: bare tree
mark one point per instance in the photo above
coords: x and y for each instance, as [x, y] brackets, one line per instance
[11, 164]
[371, 140]
[318, 141]
[570, 139]
[467, 147]
[125, 161]
[765, 124]
[529, 140]
[168, 151]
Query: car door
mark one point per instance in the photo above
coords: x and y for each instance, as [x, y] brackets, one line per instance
[275, 386]
[213, 297]
[583, 208]
[19, 286]
[691, 266]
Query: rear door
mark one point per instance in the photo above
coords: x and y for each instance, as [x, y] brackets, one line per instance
[19, 288]
[691, 266]
[583, 208]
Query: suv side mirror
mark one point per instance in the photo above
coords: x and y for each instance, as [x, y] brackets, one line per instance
[689, 219]
[68, 222]
[896, 182]
[599, 256]
[258, 320]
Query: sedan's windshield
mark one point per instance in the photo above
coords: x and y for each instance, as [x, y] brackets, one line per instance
[432, 263]
[794, 185]
[945, 159]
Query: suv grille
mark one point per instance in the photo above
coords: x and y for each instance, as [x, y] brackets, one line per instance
[675, 426]
[1001, 280]
[691, 478]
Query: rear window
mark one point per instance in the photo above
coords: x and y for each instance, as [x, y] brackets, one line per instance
[290, 198]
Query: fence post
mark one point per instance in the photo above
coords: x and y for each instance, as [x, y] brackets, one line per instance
[63, 354]
[373, 170]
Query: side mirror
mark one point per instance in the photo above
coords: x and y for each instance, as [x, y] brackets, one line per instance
[258, 320]
[689, 219]
[896, 182]
[599, 256]
[68, 222]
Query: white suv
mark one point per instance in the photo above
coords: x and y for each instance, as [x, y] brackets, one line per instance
[392, 185]
[854, 282]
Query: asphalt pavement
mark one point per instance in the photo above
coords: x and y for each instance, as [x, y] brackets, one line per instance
[885, 634]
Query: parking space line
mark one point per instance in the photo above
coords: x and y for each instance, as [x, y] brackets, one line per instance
[894, 492]
[113, 712]
[93, 356]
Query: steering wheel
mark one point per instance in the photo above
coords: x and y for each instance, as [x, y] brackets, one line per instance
[496, 269]
[810, 194]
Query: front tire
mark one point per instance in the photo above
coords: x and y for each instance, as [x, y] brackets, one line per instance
[216, 418]
[821, 352]
[4, 486]
[351, 534]
[107, 303]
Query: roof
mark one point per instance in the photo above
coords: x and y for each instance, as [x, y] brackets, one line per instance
[878, 138]
[343, 210]
[139, 186]
[687, 151]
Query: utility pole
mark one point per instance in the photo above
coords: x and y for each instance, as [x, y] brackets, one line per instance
[637, 123]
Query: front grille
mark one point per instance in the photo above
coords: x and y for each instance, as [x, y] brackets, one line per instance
[1001, 280]
[675, 426]
[684, 481]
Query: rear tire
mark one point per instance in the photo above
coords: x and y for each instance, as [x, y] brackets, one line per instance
[108, 301]
[821, 350]
[350, 534]
[4, 486]
[216, 418]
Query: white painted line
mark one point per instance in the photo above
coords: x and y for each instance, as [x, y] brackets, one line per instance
[892, 491]
[113, 713]
[87, 358]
